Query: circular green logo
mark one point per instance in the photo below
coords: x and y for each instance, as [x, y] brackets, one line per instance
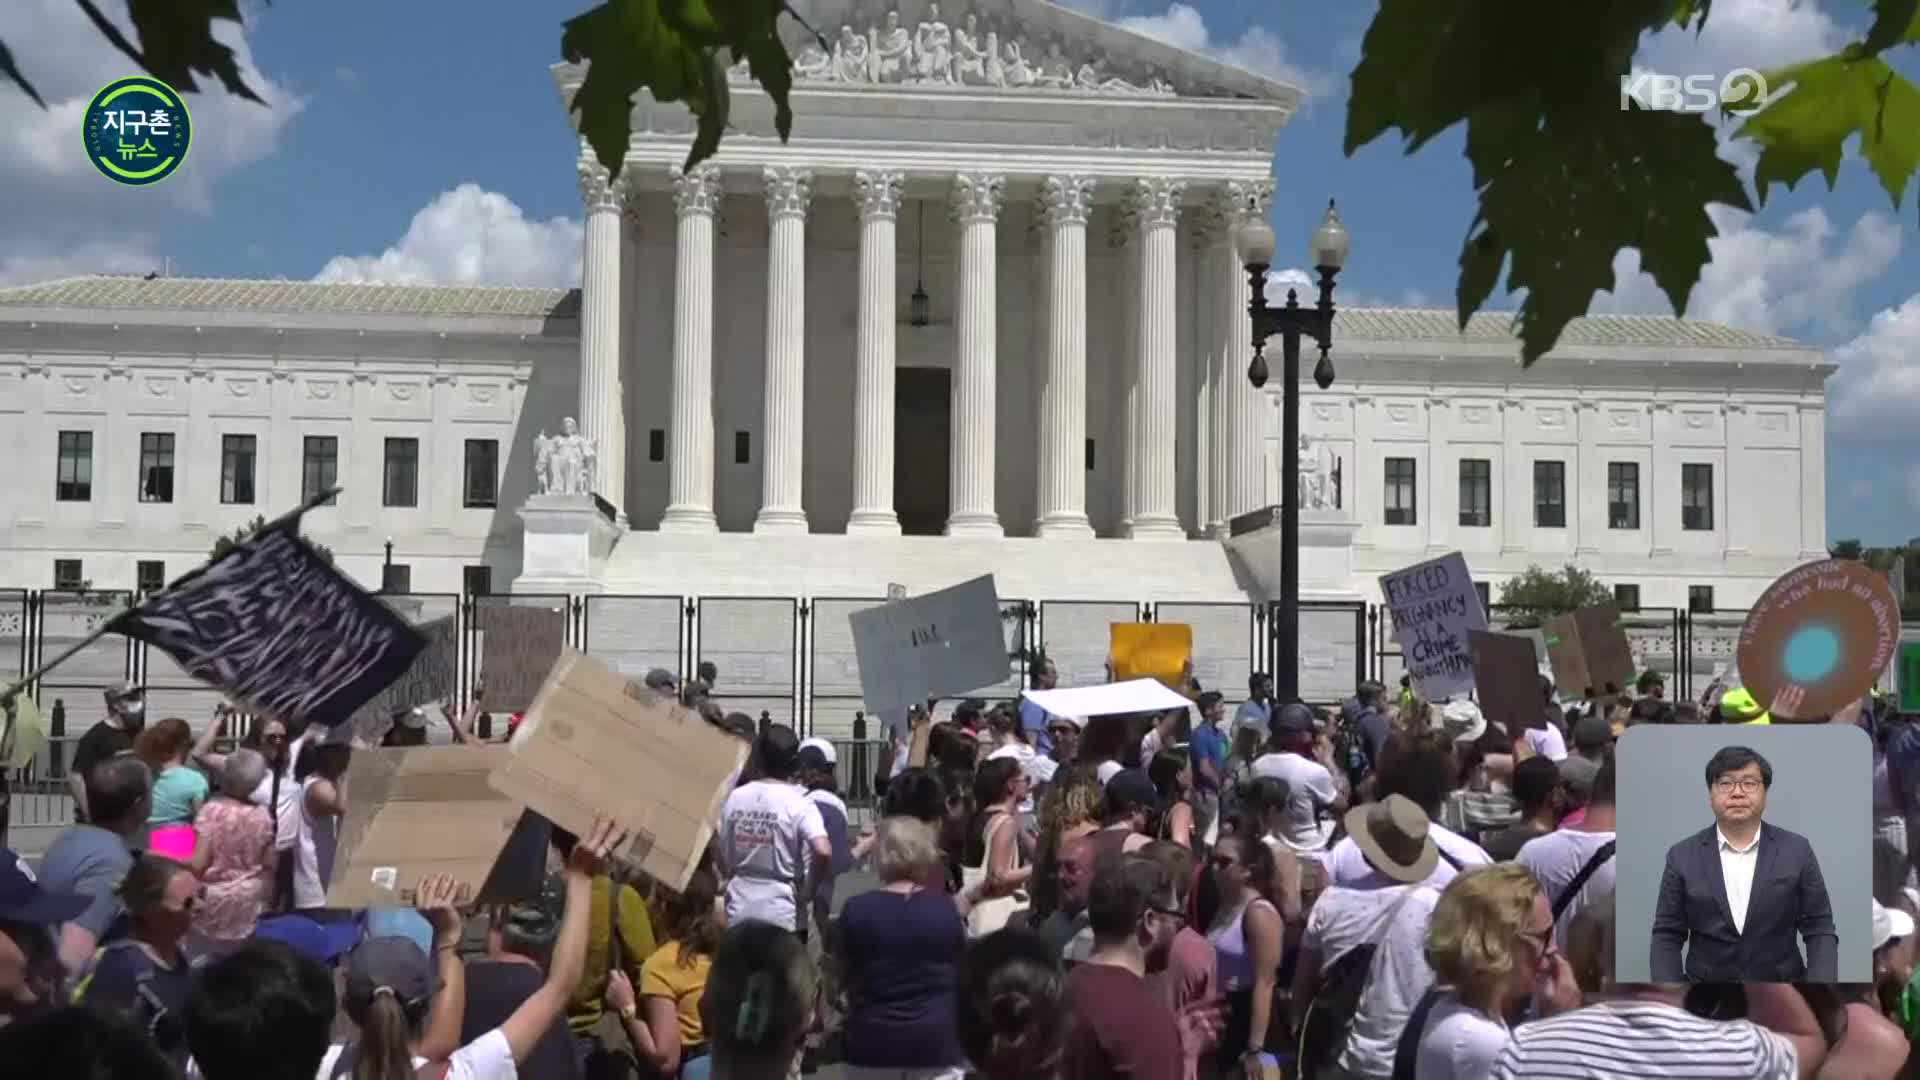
[136, 130]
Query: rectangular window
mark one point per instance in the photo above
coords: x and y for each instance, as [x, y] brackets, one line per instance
[656, 445]
[66, 574]
[1626, 597]
[1476, 492]
[1696, 497]
[237, 455]
[1089, 455]
[75, 479]
[742, 447]
[400, 485]
[149, 575]
[477, 580]
[156, 467]
[1550, 494]
[396, 578]
[1401, 495]
[1623, 494]
[319, 466]
[1486, 595]
[482, 474]
[1700, 599]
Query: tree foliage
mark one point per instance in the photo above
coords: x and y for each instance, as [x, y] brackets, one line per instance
[1537, 595]
[239, 536]
[1565, 176]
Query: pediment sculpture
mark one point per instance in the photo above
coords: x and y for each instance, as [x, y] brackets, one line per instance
[936, 53]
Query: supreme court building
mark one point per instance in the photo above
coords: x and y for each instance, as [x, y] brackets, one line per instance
[982, 314]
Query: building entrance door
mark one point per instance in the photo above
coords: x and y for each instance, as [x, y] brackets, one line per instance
[922, 436]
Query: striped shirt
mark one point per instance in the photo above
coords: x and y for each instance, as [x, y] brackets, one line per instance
[1632, 1039]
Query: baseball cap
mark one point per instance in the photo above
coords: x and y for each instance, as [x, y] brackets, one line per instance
[1294, 719]
[23, 900]
[1131, 789]
[1890, 924]
[1592, 733]
[661, 680]
[825, 748]
[393, 963]
[124, 689]
[320, 942]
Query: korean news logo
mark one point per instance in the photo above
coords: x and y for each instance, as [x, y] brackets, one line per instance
[1741, 90]
[136, 130]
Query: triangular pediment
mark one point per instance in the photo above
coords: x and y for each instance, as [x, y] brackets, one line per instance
[1005, 46]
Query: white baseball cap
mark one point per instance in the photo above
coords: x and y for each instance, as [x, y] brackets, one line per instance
[1890, 924]
[825, 748]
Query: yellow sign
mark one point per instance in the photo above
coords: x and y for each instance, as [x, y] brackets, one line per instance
[1152, 651]
[20, 745]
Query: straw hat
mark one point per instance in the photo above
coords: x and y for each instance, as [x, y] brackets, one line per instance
[1393, 835]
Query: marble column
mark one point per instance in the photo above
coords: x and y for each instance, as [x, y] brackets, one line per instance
[1245, 411]
[976, 209]
[600, 393]
[1063, 395]
[781, 509]
[1156, 203]
[696, 201]
[877, 194]
[1124, 237]
[1212, 236]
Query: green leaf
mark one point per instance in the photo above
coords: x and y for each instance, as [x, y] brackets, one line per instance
[1563, 196]
[628, 46]
[1894, 21]
[177, 43]
[12, 72]
[1828, 102]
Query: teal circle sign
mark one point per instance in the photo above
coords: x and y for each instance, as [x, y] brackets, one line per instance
[136, 130]
[1813, 652]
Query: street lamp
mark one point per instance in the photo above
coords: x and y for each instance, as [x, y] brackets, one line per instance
[386, 569]
[1328, 251]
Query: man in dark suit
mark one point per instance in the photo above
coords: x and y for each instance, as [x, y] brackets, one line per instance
[1736, 895]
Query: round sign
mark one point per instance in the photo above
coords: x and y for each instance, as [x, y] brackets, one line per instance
[136, 130]
[1819, 638]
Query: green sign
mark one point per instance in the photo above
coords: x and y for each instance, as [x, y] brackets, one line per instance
[1910, 676]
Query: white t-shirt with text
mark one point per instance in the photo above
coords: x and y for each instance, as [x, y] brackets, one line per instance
[767, 830]
[1304, 828]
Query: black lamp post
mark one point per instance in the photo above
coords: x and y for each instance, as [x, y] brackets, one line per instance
[386, 569]
[1328, 251]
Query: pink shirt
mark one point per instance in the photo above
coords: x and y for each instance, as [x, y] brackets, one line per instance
[1188, 978]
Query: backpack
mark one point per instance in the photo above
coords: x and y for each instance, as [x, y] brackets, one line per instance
[1330, 1014]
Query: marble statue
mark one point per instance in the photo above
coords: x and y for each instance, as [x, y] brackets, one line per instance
[1055, 71]
[1316, 474]
[813, 63]
[892, 51]
[851, 60]
[933, 48]
[1019, 72]
[996, 72]
[564, 463]
[969, 59]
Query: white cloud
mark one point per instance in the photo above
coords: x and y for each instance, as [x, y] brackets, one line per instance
[1876, 392]
[1293, 277]
[60, 216]
[1258, 50]
[1744, 33]
[1802, 274]
[471, 236]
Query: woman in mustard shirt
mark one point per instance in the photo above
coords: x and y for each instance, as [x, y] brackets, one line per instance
[664, 1022]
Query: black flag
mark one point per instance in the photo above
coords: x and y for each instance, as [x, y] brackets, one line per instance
[279, 629]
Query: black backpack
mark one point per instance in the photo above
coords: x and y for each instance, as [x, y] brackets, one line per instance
[1329, 1016]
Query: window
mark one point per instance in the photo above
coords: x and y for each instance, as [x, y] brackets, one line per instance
[742, 448]
[1696, 497]
[1476, 492]
[156, 467]
[482, 474]
[319, 466]
[1089, 455]
[1402, 500]
[657, 444]
[1700, 599]
[396, 578]
[1626, 597]
[1486, 595]
[75, 480]
[149, 575]
[400, 485]
[66, 574]
[477, 580]
[237, 454]
[1623, 495]
[1550, 494]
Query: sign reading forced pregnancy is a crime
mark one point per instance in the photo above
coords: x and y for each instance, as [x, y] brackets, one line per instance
[1435, 608]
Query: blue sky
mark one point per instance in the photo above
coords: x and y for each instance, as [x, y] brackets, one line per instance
[423, 140]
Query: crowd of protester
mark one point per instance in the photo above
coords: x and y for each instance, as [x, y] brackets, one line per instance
[1392, 889]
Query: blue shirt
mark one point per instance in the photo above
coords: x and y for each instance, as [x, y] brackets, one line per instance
[1258, 712]
[902, 957]
[1208, 743]
[1034, 719]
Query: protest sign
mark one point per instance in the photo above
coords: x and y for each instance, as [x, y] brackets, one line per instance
[1151, 651]
[595, 745]
[1818, 638]
[416, 812]
[1136, 696]
[940, 644]
[518, 648]
[1589, 651]
[429, 679]
[1506, 679]
[1910, 676]
[1434, 606]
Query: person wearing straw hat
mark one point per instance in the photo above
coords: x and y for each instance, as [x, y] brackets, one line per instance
[1362, 954]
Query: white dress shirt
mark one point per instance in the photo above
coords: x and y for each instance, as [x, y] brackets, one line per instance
[1736, 866]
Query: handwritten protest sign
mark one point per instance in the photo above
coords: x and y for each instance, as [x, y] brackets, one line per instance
[518, 648]
[1818, 638]
[935, 645]
[1434, 606]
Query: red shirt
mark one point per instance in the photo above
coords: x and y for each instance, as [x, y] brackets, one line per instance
[1122, 1026]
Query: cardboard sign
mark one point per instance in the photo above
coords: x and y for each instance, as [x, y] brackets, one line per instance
[1589, 651]
[1137, 696]
[920, 741]
[941, 644]
[1818, 638]
[594, 744]
[1434, 606]
[518, 648]
[430, 677]
[1506, 679]
[1910, 676]
[414, 813]
[1151, 651]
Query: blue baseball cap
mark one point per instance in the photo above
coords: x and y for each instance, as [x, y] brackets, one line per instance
[22, 899]
[324, 942]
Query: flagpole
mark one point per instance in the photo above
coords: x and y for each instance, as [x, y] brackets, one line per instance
[106, 625]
